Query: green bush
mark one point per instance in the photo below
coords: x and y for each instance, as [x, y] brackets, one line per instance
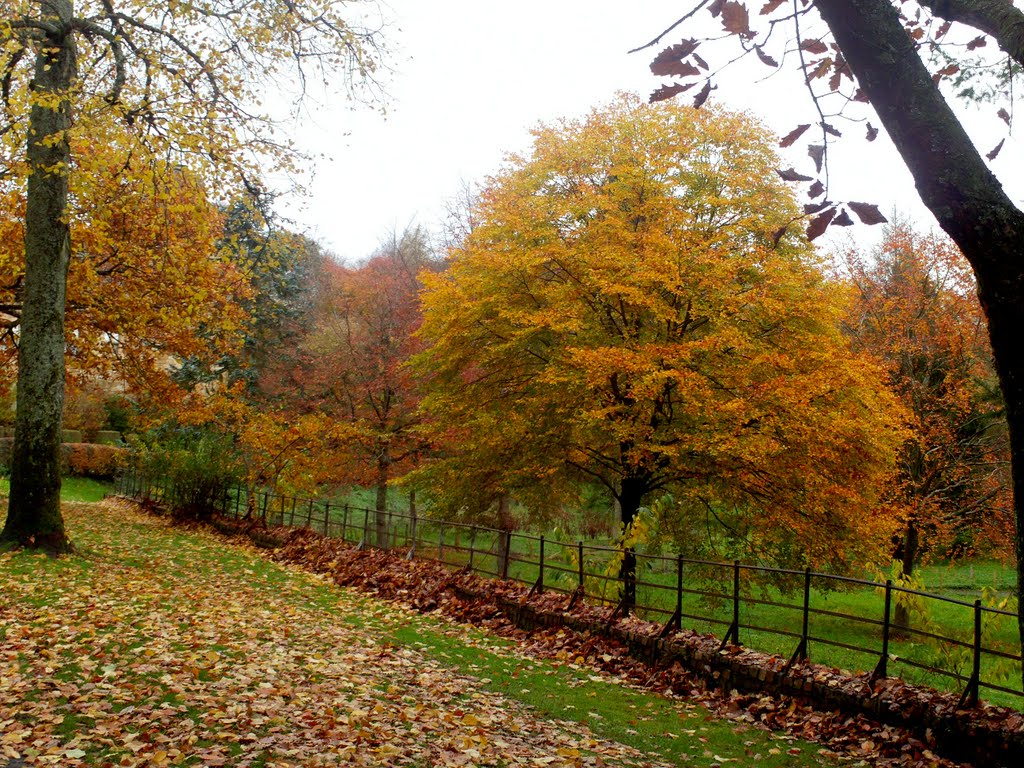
[199, 466]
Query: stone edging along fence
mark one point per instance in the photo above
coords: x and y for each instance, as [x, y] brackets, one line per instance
[988, 737]
[933, 718]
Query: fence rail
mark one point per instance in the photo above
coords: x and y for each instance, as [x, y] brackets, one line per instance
[679, 592]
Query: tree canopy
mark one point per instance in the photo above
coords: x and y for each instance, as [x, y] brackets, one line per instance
[897, 57]
[184, 81]
[915, 310]
[622, 313]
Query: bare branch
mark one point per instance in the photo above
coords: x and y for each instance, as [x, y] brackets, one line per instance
[659, 38]
[89, 28]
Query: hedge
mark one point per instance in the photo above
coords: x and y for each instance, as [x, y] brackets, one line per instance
[80, 459]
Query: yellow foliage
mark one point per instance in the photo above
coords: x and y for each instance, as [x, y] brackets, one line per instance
[623, 313]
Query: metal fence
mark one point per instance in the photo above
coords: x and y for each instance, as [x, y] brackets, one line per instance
[848, 622]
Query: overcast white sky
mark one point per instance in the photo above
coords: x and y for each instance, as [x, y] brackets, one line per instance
[470, 78]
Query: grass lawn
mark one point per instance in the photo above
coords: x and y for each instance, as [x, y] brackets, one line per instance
[83, 489]
[155, 645]
[848, 616]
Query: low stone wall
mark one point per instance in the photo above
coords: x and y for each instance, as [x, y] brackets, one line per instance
[931, 716]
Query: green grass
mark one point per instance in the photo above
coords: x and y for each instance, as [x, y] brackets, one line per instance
[81, 489]
[676, 730]
[151, 629]
[963, 581]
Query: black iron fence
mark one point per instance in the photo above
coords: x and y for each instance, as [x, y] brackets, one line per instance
[857, 624]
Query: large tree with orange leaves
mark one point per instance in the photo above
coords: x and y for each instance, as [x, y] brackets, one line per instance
[148, 282]
[622, 312]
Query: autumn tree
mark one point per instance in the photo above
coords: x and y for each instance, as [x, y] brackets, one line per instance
[622, 312]
[285, 273]
[898, 57]
[148, 282]
[186, 78]
[356, 356]
[916, 310]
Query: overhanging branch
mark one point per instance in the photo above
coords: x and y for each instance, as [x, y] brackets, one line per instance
[1000, 19]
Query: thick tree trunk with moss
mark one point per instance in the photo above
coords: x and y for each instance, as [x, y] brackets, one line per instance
[34, 517]
[954, 182]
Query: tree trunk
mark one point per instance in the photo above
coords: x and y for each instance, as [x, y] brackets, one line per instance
[380, 516]
[908, 556]
[956, 185]
[631, 496]
[34, 517]
[505, 525]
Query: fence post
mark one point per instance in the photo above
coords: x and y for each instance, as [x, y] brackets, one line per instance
[882, 669]
[309, 515]
[412, 546]
[733, 632]
[540, 575]
[366, 529]
[440, 545]
[538, 586]
[579, 591]
[800, 654]
[472, 546]
[579, 552]
[970, 694]
[507, 553]
[675, 622]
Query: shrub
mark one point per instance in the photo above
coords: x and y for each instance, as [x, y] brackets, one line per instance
[91, 460]
[199, 466]
[101, 462]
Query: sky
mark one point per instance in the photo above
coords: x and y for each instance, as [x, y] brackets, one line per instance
[469, 79]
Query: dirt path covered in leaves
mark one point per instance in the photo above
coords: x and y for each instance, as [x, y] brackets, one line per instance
[156, 646]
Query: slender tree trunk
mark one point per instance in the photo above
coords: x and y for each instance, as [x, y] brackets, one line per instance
[381, 505]
[908, 556]
[631, 496]
[956, 185]
[34, 517]
[505, 525]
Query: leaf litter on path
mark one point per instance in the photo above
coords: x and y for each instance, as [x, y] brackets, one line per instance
[153, 648]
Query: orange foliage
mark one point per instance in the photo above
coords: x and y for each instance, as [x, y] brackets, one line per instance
[146, 285]
[91, 460]
[351, 364]
[622, 313]
[916, 310]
